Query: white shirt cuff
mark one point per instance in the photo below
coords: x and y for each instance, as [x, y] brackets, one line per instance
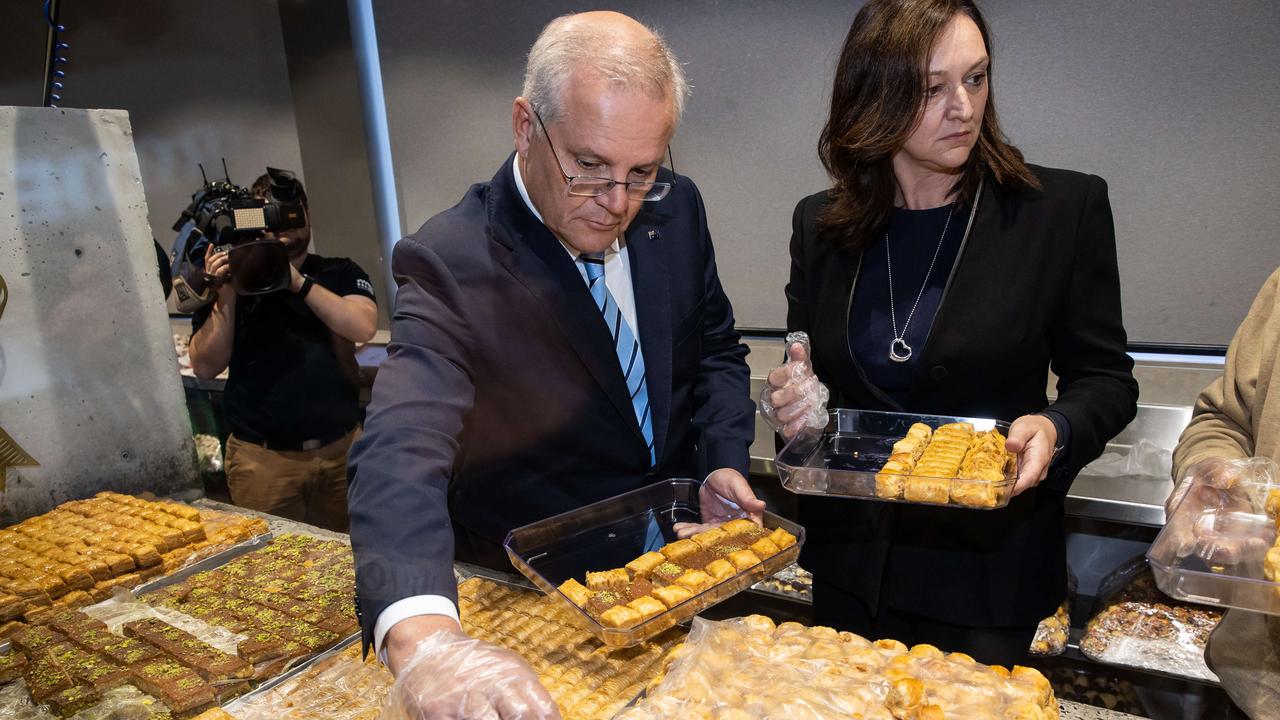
[407, 608]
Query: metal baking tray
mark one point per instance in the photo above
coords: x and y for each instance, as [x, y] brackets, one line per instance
[1215, 556]
[216, 560]
[843, 459]
[613, 532]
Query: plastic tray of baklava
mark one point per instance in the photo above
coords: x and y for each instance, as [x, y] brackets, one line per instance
[626, 576]
[1226, 555]
[936, 460]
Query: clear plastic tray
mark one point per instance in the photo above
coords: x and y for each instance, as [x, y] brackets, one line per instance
[1216, 556]
[613, 532]
[843, 460]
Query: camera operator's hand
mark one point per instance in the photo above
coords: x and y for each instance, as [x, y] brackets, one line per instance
[218, 267]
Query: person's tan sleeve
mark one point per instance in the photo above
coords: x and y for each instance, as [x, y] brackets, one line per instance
[1222, 424]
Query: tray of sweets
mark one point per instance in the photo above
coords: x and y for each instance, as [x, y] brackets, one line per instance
[625, 576]
[935, 460]
[1225, 554]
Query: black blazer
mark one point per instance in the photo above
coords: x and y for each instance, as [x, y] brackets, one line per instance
[501, 401]
[1035, 287]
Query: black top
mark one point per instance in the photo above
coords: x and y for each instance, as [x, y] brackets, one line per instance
[291, 378]
[1036, 288]
[914, 237]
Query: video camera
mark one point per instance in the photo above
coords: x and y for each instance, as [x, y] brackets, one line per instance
[225, 216]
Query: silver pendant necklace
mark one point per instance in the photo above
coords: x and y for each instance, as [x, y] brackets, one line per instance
[899, 350]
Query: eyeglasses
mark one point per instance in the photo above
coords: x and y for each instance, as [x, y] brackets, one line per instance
[588, 186]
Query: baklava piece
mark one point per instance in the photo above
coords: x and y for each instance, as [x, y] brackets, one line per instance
[621, 616]
[614, 580]
[672, 595]
[644, 565]
[695, 580]
[575, 591]
[743, 559]
[679, 550]
[721, 570]
[648, 607]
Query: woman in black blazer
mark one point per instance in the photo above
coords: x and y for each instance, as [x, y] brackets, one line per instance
[943, 275]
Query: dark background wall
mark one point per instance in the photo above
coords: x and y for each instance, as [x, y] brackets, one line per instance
[1171, 102]
[253, 81]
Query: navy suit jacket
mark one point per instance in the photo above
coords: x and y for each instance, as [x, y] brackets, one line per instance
[501, 400]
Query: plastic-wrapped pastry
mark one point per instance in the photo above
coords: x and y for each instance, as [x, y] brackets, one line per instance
[749, 668]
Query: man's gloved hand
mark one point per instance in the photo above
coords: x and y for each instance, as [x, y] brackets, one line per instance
[793, 398]
[450, 676]
[724, 496]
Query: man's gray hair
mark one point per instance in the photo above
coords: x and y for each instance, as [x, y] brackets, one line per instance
[565, 46]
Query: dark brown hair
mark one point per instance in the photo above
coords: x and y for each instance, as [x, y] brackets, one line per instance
[876, 102]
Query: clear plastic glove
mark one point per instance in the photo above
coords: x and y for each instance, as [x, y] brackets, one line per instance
[454, 677]
[793, 398]
[1218, 510]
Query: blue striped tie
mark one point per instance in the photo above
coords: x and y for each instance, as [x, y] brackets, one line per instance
[625, 345]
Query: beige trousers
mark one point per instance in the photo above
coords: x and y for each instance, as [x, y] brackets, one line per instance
[307, 486]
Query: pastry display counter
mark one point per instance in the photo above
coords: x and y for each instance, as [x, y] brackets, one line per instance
[587, 678]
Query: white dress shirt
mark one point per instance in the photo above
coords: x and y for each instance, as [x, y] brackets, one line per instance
[617, 279]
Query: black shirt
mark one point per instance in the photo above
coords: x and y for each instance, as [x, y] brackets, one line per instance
[914, 237]
[291, 378]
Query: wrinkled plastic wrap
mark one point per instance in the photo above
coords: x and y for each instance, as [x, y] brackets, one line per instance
[792, 581]
[123, 703]
[339, 687]
[208, 453]
[812, 394]
[750, 668]
[1143, 628]
[1143, 459]
[1051, 634]
[1054, 631]
[124, 608]
[454, 676]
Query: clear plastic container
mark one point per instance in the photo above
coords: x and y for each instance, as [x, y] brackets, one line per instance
[612, 533]
[1215, 555]
[844, 459]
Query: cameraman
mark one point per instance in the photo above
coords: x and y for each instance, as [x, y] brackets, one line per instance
[292, 394]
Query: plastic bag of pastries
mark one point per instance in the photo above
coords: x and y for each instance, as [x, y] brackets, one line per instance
[750, 668]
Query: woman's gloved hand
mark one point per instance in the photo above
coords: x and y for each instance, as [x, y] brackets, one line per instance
[793, 398]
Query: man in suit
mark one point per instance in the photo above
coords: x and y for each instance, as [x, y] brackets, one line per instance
[560, 336]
